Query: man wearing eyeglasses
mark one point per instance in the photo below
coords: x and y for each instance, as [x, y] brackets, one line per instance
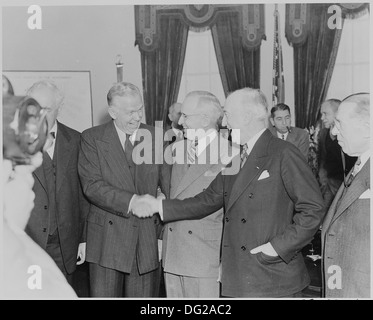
[346, 228]
[57, 221]
[122, 250]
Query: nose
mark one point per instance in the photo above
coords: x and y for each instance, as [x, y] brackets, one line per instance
[335, 131]
[224, 122]
[181, 120]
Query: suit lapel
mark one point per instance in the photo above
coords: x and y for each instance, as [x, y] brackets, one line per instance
[63, 154]
[357, 187]
[254, 164]
[114, 154]
[39, 175]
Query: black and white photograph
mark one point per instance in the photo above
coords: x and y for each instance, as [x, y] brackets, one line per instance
[198, 152]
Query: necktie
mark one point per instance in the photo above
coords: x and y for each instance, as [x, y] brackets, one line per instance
[283, 137]
[244, 154]
[353, 173]
[128, 147]
[49, 144]
[192, 152]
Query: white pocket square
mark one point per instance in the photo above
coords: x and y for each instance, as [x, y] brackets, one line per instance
[366, 195]
[264, 175]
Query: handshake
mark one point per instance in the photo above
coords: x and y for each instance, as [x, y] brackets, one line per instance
[145, 206]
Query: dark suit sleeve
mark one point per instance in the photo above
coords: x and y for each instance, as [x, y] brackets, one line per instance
[303, 189]
[96, 189]
[198, 207]
[304, 144]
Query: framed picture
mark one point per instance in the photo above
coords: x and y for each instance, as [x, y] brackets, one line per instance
[76, 111]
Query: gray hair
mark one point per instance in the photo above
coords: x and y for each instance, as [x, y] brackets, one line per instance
[122, 89]
[254, 101]
[362, 105]
[333, 103]
[50, 85]
[208, 102]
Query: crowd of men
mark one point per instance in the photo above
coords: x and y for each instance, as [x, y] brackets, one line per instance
[211, 215]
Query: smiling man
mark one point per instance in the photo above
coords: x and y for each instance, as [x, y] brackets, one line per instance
[122, 250]
[272, 207]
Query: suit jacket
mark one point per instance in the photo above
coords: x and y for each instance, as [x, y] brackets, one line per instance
[346, 239]
[192, 247]
[285, 208]
[298, 137]
[114, 235]
[71, 205]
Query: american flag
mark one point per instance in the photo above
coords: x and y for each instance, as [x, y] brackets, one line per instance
[278, 83]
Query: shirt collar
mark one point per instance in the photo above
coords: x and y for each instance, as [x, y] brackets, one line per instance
[364, 158]
[250, 144]
[279, 134]
[54, 129]
[122, 135]
[203, 142]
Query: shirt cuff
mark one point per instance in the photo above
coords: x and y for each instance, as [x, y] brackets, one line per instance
[160, 208]
[129, 206]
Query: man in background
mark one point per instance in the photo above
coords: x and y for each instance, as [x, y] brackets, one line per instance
[281, 128]
[175, 133]
[334, 164]
[57, 222]
[191, 248]
[346, 228]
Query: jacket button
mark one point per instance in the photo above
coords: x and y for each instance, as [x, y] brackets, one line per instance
[226, 219]
[190, 232]
[225, 193]
[44, 229]
[110, 222]
[251, 195]
[331, 234]
[243, 220]
[45, 207]
[170, 229]
[243, 248]
[155, 221]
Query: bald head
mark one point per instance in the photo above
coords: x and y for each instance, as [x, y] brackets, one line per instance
[352, 124]
[174, 113]
[328, 111]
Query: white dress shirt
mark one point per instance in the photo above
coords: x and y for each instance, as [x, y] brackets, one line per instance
[50, 149]
[122, 136]
[279, 134]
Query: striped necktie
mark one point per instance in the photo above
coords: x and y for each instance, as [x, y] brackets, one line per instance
[192, 150]
[244, 154]
[353, 173]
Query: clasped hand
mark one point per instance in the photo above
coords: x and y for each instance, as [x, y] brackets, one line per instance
[145, 206]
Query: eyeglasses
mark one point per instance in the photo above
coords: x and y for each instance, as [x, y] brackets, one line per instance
[189, 115]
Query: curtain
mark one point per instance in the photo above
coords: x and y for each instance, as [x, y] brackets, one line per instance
[314, 61]
[239, 66]
[162, 69]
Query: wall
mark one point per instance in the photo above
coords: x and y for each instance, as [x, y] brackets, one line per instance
[75, 38]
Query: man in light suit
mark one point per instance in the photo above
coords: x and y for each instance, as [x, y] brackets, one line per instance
[122, 249]
[57, 222]
[273, 206]
[191, 249]
[346, 228]
[281, 128]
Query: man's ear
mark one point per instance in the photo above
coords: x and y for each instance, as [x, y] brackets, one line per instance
[112, 113]
[169, 117]
[272, 121]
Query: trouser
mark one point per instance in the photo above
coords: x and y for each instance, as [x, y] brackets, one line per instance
[105, 282]
[178, 286]
[54, 250]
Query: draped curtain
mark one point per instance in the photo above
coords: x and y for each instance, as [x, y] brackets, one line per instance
[314, 60]
[239, 67]
[162, 69]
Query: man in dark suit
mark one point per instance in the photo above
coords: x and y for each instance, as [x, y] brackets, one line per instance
[334, 164]
[175, 133]
[346, 228]
[281, 128]
[122, 249]
[58, 218]
[273, 206]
